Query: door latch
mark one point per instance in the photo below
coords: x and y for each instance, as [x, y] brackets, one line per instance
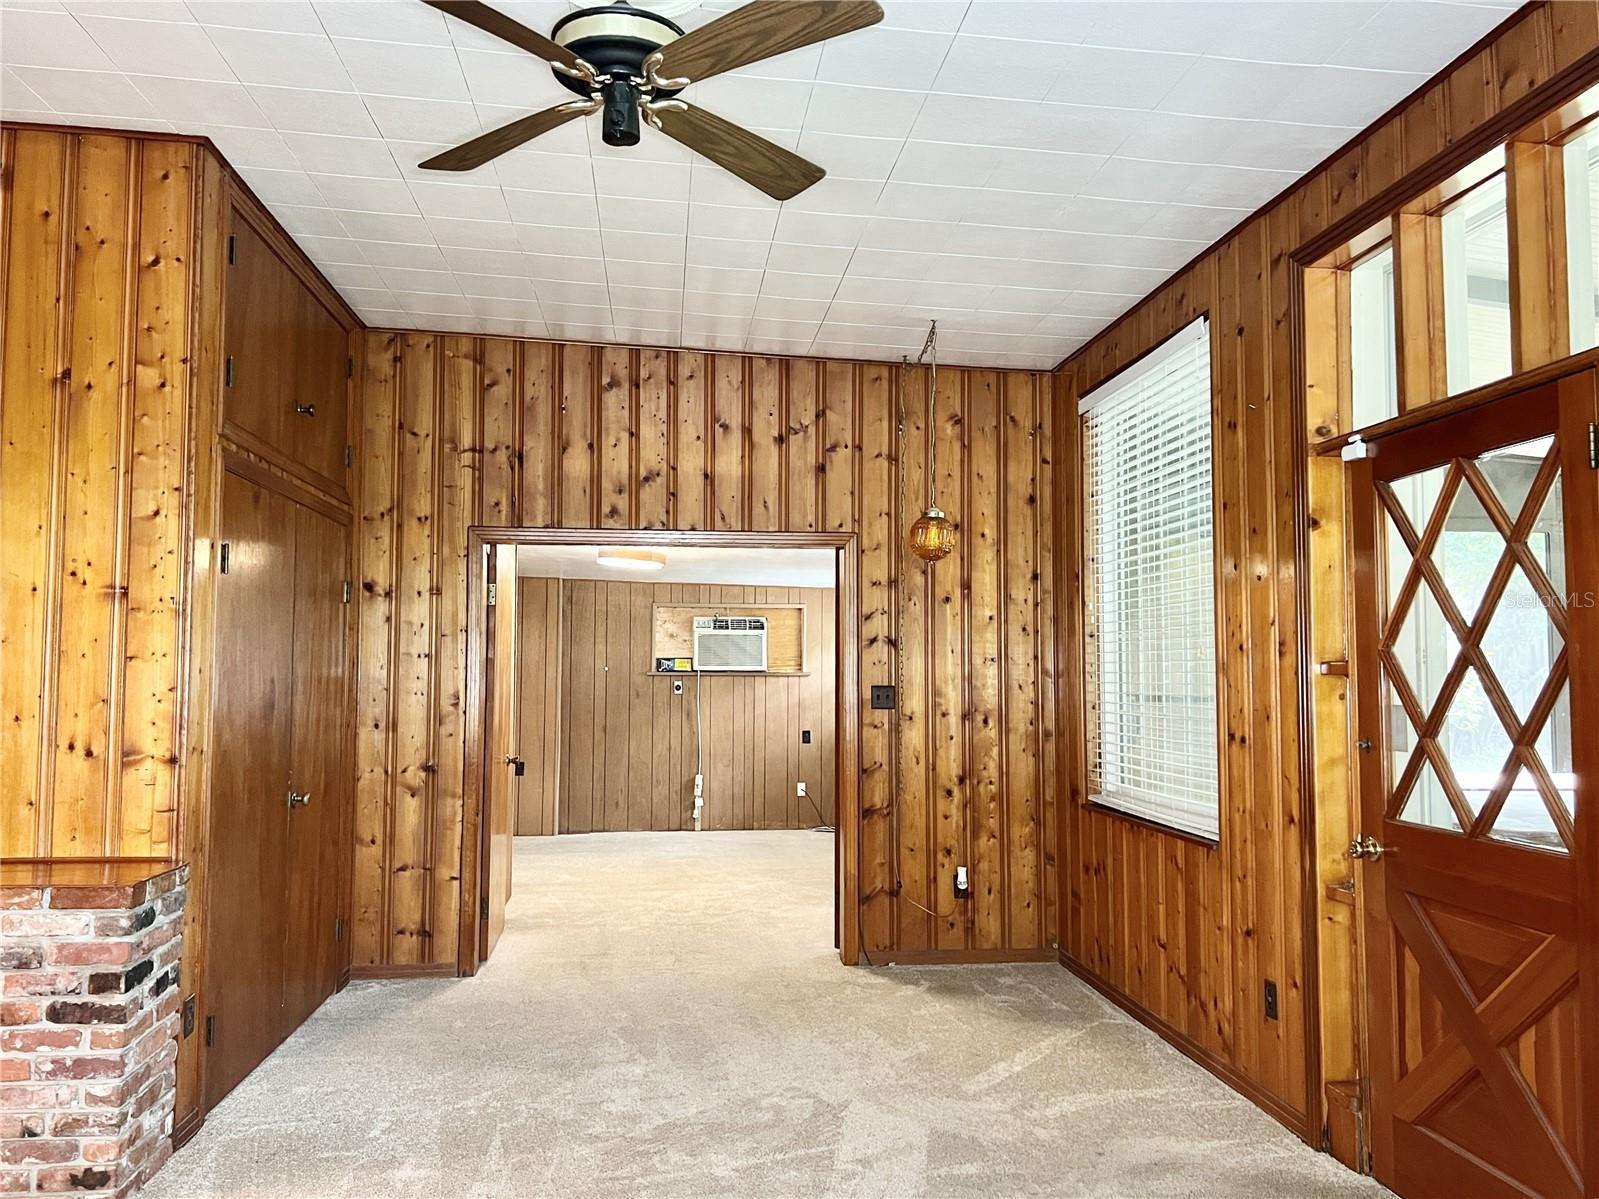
[1368, 848]
[298, 799]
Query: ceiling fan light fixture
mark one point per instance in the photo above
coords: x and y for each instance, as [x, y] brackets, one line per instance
[621, 558]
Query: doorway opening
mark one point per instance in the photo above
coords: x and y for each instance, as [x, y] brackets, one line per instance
[653, 682]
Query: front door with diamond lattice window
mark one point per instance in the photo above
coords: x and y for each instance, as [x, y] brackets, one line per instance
[1476, 542]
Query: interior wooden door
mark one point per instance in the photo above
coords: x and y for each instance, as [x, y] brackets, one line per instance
[539, 706]
[247, 835]
[319, 766]
[503, 757]
[1477, 567]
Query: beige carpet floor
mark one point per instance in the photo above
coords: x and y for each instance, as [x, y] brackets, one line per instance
[666, 1017]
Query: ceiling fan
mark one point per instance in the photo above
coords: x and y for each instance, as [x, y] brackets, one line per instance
[630, 64]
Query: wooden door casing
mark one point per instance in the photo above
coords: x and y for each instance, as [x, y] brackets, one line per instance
[539, 706]
[249, 772]
[319, 765]
[503, 736]
[1480, 1003]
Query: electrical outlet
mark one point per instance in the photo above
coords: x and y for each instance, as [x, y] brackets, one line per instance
[677, 686]
[963, 883]
[188, 1016]
[799, 788]
[1271, 1000]
[882, 695]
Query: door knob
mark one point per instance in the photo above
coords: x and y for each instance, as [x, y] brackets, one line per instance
[1369, 849]
[305, 409]
[516, 763]
[299, 799]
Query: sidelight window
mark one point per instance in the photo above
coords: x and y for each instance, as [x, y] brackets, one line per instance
[1150, 589]
[1476, 278]
[1582, 237]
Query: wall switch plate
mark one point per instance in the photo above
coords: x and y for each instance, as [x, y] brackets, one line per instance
[799, 788]
[963, 883]
[805, 736]
[1271, 1000]
[188, 1016]
[882, 695]
[677, 686]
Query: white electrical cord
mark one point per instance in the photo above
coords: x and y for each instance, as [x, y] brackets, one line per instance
[699, 752]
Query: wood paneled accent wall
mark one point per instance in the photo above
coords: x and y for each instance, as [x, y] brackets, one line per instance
[628, 748]
[540, 716]
[1185, 934]
[461, 430]
[98, 256]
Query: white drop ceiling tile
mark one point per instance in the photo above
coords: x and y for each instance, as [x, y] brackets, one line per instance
[386, 227]
[281, 16]
[274, 186]
[819, 228]
[643, 247]
[1069, 326]
[437, 303]
[319, 154]
[157, 47]
[16, 96]
[1124, 280]
[441, 122]
[535, 14]
[460, 200]
[718, 220]
[893, 233]
[642, 274]
[1026, 126]
[701, 304]
[891, 264]
[800, 258]
[366, 299]
[504, 308]
[552, 208]
[555, 291]
[249, 149]
[365, 195]
[652, 147]
[863, 111]
[501, 287]
[1226, 87]
[561, 239]
[1008, 67]
[333, 249]
[795, 286]
[726, 280]
[787, 329]
[850, 157]
[403, 281]
[1359, 97]
[785, 308]
[49, 39]
[1028, 20]
[405, 254]
[889, 317]
[709, 184]
[864, 289]
[196, 101]
[477, 235]
[310, 220]
[712, 326]
[281, 59]
[93, 93]
[472, 261]
[399, 69]
[1196, 222]
[759, 103]
[760, 343]
[641, 299]
[564, 330]
[1127, 178]
[1031, 300]
[506, 328]
[647, 318]
[620, 177]
[836, 196]
[303, 110]
[391, 20]
[642, 215]
[886, 57]
[514, 80]
[561, 268]
[1102, 305]
[728, 252]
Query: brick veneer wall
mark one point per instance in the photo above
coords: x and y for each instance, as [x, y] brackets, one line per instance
[89, 1025]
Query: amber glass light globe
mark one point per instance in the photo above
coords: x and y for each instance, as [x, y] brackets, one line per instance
[932, 536]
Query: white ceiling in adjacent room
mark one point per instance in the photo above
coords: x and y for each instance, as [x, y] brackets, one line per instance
[1023, 171]
[686, 564]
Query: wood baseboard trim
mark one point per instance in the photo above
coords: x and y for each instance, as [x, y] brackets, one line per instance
[384, 971]
[1295, 1122]
[183, 1131]
[955, 957]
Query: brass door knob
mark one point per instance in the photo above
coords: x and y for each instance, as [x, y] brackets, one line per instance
[1367, 848]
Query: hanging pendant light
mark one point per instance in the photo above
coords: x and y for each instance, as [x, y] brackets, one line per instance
[932, 536]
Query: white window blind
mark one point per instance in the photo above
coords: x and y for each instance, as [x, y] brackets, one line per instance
[1150, 589]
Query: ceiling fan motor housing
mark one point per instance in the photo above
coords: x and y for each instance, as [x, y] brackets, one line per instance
[615, 39]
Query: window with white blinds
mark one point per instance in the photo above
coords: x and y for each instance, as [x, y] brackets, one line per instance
[1150, 600]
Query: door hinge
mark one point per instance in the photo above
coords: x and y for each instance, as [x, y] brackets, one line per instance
[349, 455]
[1593, 445]
[494, 592]
[227, 371]
[210, 1031]
[338, 928]
[233, 249]
[346, 590]
[223, 555]
[483, 906]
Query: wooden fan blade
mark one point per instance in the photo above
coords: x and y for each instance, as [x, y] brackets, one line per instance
[760, 30]
[507, 137]
[501, 26]
[760, 163]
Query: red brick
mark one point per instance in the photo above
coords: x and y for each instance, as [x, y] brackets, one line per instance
[119, 1036]
[15, 1012]
[75, 1179]
[110, 896]
[13, 1069]
[21, 956]
[44, 1151]
[39, 1095]
[12, 898]
[26, 1124]
[45, 924]
[15, 1182]
[47, 982]
[86, 1124]
[68, 1011]
[90, 953]
[30, 1040]
[79, 1067]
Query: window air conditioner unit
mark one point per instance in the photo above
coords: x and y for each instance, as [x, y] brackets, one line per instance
[730, 643]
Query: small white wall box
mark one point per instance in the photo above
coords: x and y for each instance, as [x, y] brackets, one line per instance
[723, 643]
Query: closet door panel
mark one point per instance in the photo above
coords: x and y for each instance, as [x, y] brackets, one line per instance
[249, 784]
[320, 765]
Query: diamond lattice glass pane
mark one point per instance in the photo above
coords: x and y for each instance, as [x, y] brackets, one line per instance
[1418, 494]
[1427, 804]
[1398, 561]
[1547, 539]
[1525, 817]
[1510, 471]
[1474, 741]
[1554, 750]
[1467, 551]
[1425, 647]
[1520, 642]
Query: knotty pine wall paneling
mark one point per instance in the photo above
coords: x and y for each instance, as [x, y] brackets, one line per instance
[540, 715]
[1186, 934]
[461, 430]
[627, 746]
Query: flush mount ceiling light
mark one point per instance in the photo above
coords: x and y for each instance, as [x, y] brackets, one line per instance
[631, 63]
[932, 536]
[625, 559]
